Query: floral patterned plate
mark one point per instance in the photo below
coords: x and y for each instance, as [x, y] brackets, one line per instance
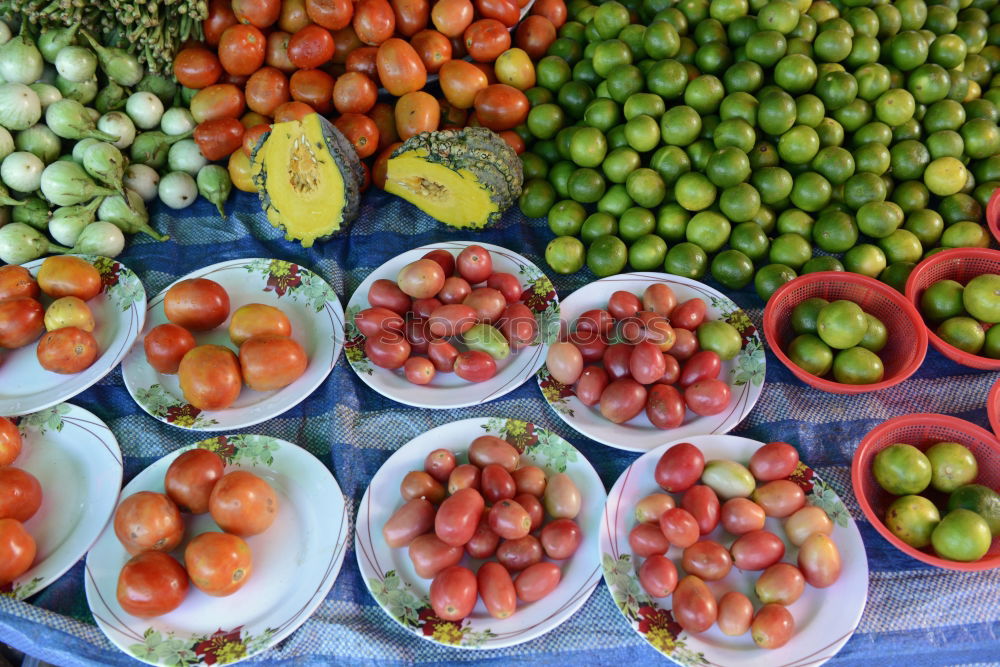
[824, 618]
[76, 459]
[447, 390]
[295, 563]
[744, 373]
[403, 595]
[119, 311]
[317, 323]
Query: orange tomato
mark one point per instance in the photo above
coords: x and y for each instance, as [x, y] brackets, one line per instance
[240, 173]
[331, 14]
[17, 550]
[452, 116]
[345, 41]
[535, 35]
[10, 442]
[22, 320]
[452, 17]
[148, 521]
[266, 90]
[363, 60]
[374, 21]
[252, 137]
[433, 48]
[384, 117]
[197, 67]
[399, 67]
[382, 163]
[270, 362]
[152, 583]
[165, 345]
[242, 49]
[361, 131]
[412, 16]
[505, 11]
[17, 281]
[293, 16]
[243, 504]
[486, 39]
[310, 47]
[354, 92]
[69, 276]
[259, 13]
[190, 478]
[257, 319]
[314, 87]
[210, 377]
[218, 563]
[277, 51]
[514, 140]
[514, 67]
[20, 494]
[460, 82]
[553, 10]
[501, 107]
[252, 119]
[220, 17]
[219, 137]
[416, 112]
[223, 100]
[67, 350]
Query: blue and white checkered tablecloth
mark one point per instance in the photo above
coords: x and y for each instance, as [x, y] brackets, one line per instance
[916, 615]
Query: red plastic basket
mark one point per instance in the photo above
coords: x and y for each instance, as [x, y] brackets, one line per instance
[961, 264]
[993, 214]
[923, 430]
[901, 356]
[993, 408]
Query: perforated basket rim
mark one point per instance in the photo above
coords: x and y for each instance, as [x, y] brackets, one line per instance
[993, 214]
[920, 331]
[858, 476]
[913, 296]
[993, 408]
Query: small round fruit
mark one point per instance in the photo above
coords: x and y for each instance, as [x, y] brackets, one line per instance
[219, 564]
[952, 466]
[658, 576]
[902, 469]
[421, 279]
[808, 520]
[69, 311]
[197, 304]
[151, 584]
[20, 494]
[255, 319]
[166, 345]
[962, 535]
[419, 370]
[735, 613]
[68, 275]
[775, 460]
[819, 560]
[270, 362]
[210, 377]
[243, 504]
[10, 442]
[68, 350]
[912, 519]
[148, 521]
[191, 477]
[782, 583]
[772, 627]
[17, 550]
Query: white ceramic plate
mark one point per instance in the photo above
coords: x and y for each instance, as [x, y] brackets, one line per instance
[119, 311]
[403, 595]
[824, 618]
[295, 563]
[744, 373]
[76, 459]
[447, 390]
[317, 324]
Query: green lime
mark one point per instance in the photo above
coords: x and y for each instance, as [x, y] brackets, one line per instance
[774, 184]
[942, 301]
[680, 125]
[926, 225]
[634, 35]
[832, 46]
[566, 218]
[743, 76]
[895, 107]
[794, 221]
[876, 335]
[667, 78]
[809, 110]
[776, 113]
[713, 58]
[732, 269]
[901, 246]
[615, 201]
[574, 96]
[810, 354]
[708, 230]
[624, 81]
[552, 73]
[982, 138]
[875, 132]
[587, 146]
[830, 133]
[607, 56]
[778, 15]
[952, 466]
[769, 278]
[853, 116]
[798, 145]
[841, 324]
[568, 49]
[586, 185]
[735, 132]
[896, 274]
[728, 166]
[958, 208]
[671, 221]
[766, 47]
[866, 259]
[991, 346]
[857, 365]
[740, 203]
[642, 132]
[619, 163]
[912, 196]
[902, 469]
[645, 104]
[948, 51]
[559, 176]
[647, 253]
[610, 18]
[805, 314]
[795, 73]
[965, 234]
[548, 151]
[602, 114]
[811, 192]
[565, 254]
[537, 197]
[836, 89]
[962, 332]
[564, 139]
[686, 259]
[944, 115]
[980, 499]
[533, 166]
[606, 256]
[704, 94]
[739, 105]
[720, 337]
[912, 519]
[929, 83]
[670, 162]
[822, 263]
[660, 40]
[879, 219]
[873, 80]
[945, 176]
[962, 535]
[636, 222]
[749, 239]
[981, 297]
[791, 250]
[645, 187]
[835, 231]
[836, 164]
[597, 225]
[694, 191]
[908, 50]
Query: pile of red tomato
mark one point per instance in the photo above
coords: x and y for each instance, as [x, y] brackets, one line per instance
[445, 517]
[267, 61]
[212, 376]
[149, 525]
[20, 498]
[434, 301]
[655, 335]
[68, 344]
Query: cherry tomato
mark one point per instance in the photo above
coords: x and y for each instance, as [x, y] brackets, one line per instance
[151, 584]
[222, 100]
[741, 515]
[439, 464]
[505, 11]
[702, 502]
[17, 281]
[519, 326]
[293, 16]
[465, 476]
[277, 51]
[197, 304]
[266, 90]
[694, 606]
[775, 460]
[782, 583]
[20, 494]
[591, 385]
[253, 136]
[374, 21]
[497, 590]
[564, 362]
[331, 14]
[414, 518]
[292, 111]
[451, 319]
[561, 538]
[707, 397]
[486, 39]
[67, 350]
[458, 516]
[708, 560]
[772, 627]
[219, 138]
[239, 172]
[757, 550]
[419, 484]
[665, 406]
[460, 83]
[562, 497]
[243, 504]
[616, 358]
[354, 92]
[646, 539]
[165, 346]
[688, 315]
[658, 576]
[622, 400]
[808, 520]
[10, 441]
[679, 468]
[507, 518]
[488, 303]
[819, 560]
[209, 377]
[489, 449]
[219, 564]
[433, 48]
[535, 35]
[475, 264]
[412, 16]
[497, 484]
[537, 581]
[242, 49]
[501, 107]
[703, 365]
[148, 521]
[646, 363]
[386, 294]
[553, 10]
[779, 498]
[454, 290]
[516, 555]
[475, 366]
[623, 305]
[373, 320]
[430, 555]
[652, 507]
[671, 371]
[220, 17]
[735, 613]
[310, 47]
[260, 13]
[453, 593]
[442, 354]
[17, 550]
[417, 335]
[387, 349]
[361, 131]
[400, 68]
[685, 345]
[530, 480]
[679, 526]
[452, 17]
[197, 67]
[22, 320]
[514, 140]
[313, 87]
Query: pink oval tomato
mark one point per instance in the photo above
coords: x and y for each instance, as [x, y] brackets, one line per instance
[591, 384]
[703, 365]
[671, 370]
[537, 581]
[659, 298]
[418, 335]
[735, 613]
[819, 560]
[775, 460]
[757, 550]
[680, 527]
[685, 345]
[497, 590]
[488, 303]
[694, 606]
[646, 539]
[658, 576]
[772, 627]
[483, 543]
[475, 366]
[533, 506]
[458, 516]
[779, 498]
[808, 520]
[442, 354]
[497, 484]
[782, 583]
[530, 479]
[424, 307]
[665, 406]
[623, 304]
[564, 362]
[646, 363]
[454, 290]
[516, 555]
[387, 294]
[679, 468]
[507, 284]
[387, 349]
[371, 321]
[622, 400]
[561, 538]
[453, 593]
[616, 358]
[421, 279]
[414, 518]
[590, 344]
[420, 484]
[652, 507]
[689, 314]
[707, 397]
[519, 326]
[487, 449]
[430, 555]
[742, 515]
[444, 258]
[475, 264]
[509, 520]
[595, 321]
[439, 464]
[451, 319]
[707, 559]
[703, 504]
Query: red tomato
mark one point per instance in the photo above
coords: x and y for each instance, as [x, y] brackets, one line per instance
[685, 345]
[400, 68]
[17, 281]
[197, 304]
[707, 397]
[331, 14]
[757, 550]
[242, 49]
[243, 504]
[20, 494]
[345, 41]
[779, 498]
[371, 321]
[270, 362]
[191, 477]
[361, 131]
[453, 593]
[433, 48]
[223, 100]
[292, 111]
[69, 276]
[387, 349]
[773, 626]
[775, 460]
[516, 555]
[266, 90]
[475, 264]
[151, 584]
[253, 136]
[416, 112]
[219, 138]
[665, 406]
[439, 464]
[688, 315]
[384, 117]
[535, 35]
[623, 305]
[658, 576]
[707, 559]
[411, 16]
[313, 87]
[591, 384]
[22, 320]
[646, 539]
[386, 294]
[10, 441]
[209, 376]
[703, 365]
[501, 107]
[17, 550]
[679, 468]
[430, 555]
[442, 354]
[255, 319]
[483, 543]
[460, 82]
[419, 484]
[514, 140]
[419, 370]
[277, 51]
[475, 366]
[694, 606]
[218, 563]
[364, 60]
[497, 590]
[293, 16]
[703, 504]
[220, 17]
[67, 350]
[505, 11]
[537, 581]
[486, 39]
[519, 326]
[741, 515]
[553, 10]
[561, 538]
[260, 13]
[374, 21]
[354, 92]
[622, 400]
[310, 47]
[465, 476]
[148, 521]
[735, 613]
[414, 518]
[197, 67]
[166, 345]
[458, 516]
[452, 17]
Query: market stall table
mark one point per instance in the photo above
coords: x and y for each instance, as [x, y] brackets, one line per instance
[915, 615]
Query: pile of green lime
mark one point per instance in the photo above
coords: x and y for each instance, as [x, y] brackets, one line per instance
[822, 327]
[972, 511]
[756, 140]
[965, 315]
